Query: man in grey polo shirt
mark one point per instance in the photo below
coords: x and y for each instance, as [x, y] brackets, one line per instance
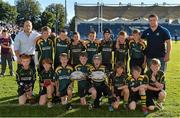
[25, 42]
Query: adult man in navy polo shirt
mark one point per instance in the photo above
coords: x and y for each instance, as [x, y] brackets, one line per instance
[158, 42]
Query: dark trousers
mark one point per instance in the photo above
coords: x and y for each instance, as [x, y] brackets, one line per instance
[4, 59]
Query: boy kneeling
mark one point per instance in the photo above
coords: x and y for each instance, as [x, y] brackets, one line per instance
[64, 86]
[46, 79]
[156, 87]
[25, 77]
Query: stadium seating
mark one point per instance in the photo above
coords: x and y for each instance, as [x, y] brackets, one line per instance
[84, 28]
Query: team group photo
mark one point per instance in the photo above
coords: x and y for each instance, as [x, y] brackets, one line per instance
[93, 66]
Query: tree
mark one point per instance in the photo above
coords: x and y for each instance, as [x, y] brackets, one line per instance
[47, 19]
[8, 13]
[28, 10]
[72, 24]
[58, 12]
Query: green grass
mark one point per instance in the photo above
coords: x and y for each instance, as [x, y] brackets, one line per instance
[9, 107]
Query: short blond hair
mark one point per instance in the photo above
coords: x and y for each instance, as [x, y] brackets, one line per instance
[155, 61]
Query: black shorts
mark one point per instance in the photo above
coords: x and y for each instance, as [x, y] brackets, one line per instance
[20, 91]
[118, 93]
[84, 90]
[134, 96]
[63, 92]
[151, 95]
[43, 91]
[103, 89]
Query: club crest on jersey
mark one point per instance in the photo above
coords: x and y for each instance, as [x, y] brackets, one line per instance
[157, 34]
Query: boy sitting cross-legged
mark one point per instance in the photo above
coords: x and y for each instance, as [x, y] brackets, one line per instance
[137, 86]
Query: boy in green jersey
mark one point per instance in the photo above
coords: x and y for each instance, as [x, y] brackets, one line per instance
[156, 87]
[25, 77]
[46, 80]
[64, 85]
[44, 48]
[84, 86]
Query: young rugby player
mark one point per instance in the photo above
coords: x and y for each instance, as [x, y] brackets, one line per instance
[64, 85]
[76, 48]
[119, 85]
[121, 49]
[25, 77]
[156, 88]
[137, 86]
[44, 48]
[136, 49]
[61, 46]
[91, 45]
[106, 47]
[46, 79]
[84, 86]
[100, 83]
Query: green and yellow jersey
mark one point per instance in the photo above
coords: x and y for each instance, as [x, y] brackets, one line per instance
[118, 81]
[86, 70]
[137, 49]
[132, 82]
[106, 48]
[75, 50]
[160, 77]
[91, 49]
[121, 53]
[44, 47]
[26, 76]
[60, 46]
[46, 75]
[62, 75]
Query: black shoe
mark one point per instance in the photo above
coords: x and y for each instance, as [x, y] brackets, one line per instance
[2, 75]
[69, 106]
[11, 74]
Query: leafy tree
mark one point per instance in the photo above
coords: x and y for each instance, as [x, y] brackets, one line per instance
[58, 12]
[28, 10]
[8, 13]
[47, 19]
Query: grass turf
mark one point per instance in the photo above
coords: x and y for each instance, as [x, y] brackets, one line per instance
[9, 107]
